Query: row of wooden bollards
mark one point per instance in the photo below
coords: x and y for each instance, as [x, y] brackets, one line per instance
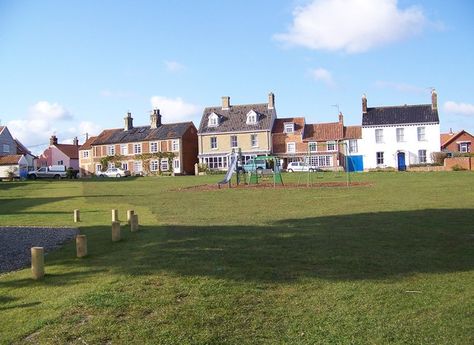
[37, 253]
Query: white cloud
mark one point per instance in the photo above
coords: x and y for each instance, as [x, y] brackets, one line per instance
[402, 87]
[352, 26]
[174, 109]
[173, 66]
[321, 74]
[459, 108]
[49, 111]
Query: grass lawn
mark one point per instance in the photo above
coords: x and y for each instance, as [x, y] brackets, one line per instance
[391, 262]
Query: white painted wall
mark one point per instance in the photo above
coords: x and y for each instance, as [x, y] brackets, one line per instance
[410, 146]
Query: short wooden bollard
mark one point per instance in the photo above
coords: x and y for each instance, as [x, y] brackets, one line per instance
[115, 231]
[81, 246]
[37, 262]
[134, 223]
[77, 216]
[130, 213]
[115, 215]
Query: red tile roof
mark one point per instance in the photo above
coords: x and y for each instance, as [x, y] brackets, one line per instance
[324, 131]
[72, 151]
[10, 159]
[446, 138]
[353, 132]
[279, 124]
[88, 144]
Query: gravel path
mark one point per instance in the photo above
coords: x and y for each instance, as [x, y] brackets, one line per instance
[16, 243]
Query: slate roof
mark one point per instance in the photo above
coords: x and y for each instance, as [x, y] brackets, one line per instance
[72, 151]
[10, 159]
[397, 115]
[353, 132]
[88, 144]
[143, 133]
[21, 149]
[279, 125]
[234, 119]
[324, 131]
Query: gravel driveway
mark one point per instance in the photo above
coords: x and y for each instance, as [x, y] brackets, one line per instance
[16, 243]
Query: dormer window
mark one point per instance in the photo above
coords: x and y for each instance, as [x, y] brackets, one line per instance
[213, 120]
[252, 117]
[289, 127]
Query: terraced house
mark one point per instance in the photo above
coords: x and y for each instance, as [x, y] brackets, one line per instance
[143, 150]
[230, 127]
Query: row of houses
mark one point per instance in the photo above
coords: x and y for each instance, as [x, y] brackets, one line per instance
[388, 136]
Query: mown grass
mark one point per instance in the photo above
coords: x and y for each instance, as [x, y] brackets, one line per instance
[390, 262]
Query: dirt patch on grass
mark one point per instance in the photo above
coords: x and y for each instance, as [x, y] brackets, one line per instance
[208, 187]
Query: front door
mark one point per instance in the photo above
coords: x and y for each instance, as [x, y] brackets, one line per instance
[401, 161]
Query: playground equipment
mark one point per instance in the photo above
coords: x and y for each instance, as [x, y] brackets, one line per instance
[272, 169]
[230, 171]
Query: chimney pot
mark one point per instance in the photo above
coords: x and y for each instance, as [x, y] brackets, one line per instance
[341, 118]
[75, 141]
[155, 118]
[434, 100]
[271, 101]
[128, 121]
[364, 104]
[53, 140]
[225, 103]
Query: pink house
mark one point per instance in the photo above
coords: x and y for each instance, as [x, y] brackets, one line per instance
[60, 154]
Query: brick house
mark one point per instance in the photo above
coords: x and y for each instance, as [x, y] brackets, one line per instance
[457, 142]
[143, 150]
[225, 128]
[287, 140]
[60, 154]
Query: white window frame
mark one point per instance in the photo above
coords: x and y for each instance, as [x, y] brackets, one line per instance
[124, 165]
[176, 164]
[400, 132]
[154, 146]
[164, 164]
[254, 140]
[234, 144]
[138, 164]
[6, 148]
[124, 149]
[252, 117]
[422, 156]
[289, 127]
[154, 165]
[291, 147]
[213, 143]
[175, 145]
[353, 146]
[379, 157]
[330, 144]
[213, 120]
[379, 135]
[98, 167]
[111, 150]
[137, 148]
[85, 154]
[421, 133]
[313, 144]
[464, 147]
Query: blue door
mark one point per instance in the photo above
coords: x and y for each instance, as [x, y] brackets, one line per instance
[401, 161]
[355, 163]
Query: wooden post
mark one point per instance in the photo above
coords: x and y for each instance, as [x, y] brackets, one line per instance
[81, 246]
[134, 223]
[115, 215]
[129, 215]
[196, 169]
[115, 231]
[77, 216]
[37, 262]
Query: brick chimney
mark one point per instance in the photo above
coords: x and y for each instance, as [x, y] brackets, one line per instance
[271, 101]
[341, 118]
[53, 140]
[155, 119]
[75, 141]
[128, 121]
[434, 100]
[225, 103]
[364, 104]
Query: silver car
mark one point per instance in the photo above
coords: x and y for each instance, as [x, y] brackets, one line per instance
[114, 172]
[300, 166]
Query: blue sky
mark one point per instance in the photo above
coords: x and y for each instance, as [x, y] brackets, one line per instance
[70, 67]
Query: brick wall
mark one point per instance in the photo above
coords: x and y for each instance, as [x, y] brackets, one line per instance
[464, 162]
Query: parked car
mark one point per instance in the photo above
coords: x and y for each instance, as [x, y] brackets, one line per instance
[53, 171]
[255, 164]
[114, 172]
[300, 166]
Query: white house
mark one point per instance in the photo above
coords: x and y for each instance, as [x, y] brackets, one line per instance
[399, 136]
[17, 164]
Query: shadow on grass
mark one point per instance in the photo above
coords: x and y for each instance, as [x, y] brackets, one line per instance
[387, 245]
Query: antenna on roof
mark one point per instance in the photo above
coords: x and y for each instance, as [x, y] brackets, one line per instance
[336, 106]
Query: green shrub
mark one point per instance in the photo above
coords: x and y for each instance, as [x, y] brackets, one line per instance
[457, 167]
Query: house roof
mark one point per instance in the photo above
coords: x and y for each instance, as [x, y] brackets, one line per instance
[1, 128]
[405, 114]
[22, 150]
[88, 144]
[10, 159]
[279, 124]
[234, 119]
[72, 151]
[144, 133]
[353, 132]
[324, 131]
[447, 138]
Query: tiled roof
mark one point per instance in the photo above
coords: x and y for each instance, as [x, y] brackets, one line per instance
[1, 128]
[279, 124]
[405, 114]
[234, 119]
[446, 138]
[353, 132]
[324, 131]
[21, 149]
[144, 133]
[10, 159]
[88, 144]
[72, 151]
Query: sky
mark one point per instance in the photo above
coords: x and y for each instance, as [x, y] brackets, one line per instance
[75, 67]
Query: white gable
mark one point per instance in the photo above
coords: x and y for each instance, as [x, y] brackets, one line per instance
[213, 120]
[252, 117]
